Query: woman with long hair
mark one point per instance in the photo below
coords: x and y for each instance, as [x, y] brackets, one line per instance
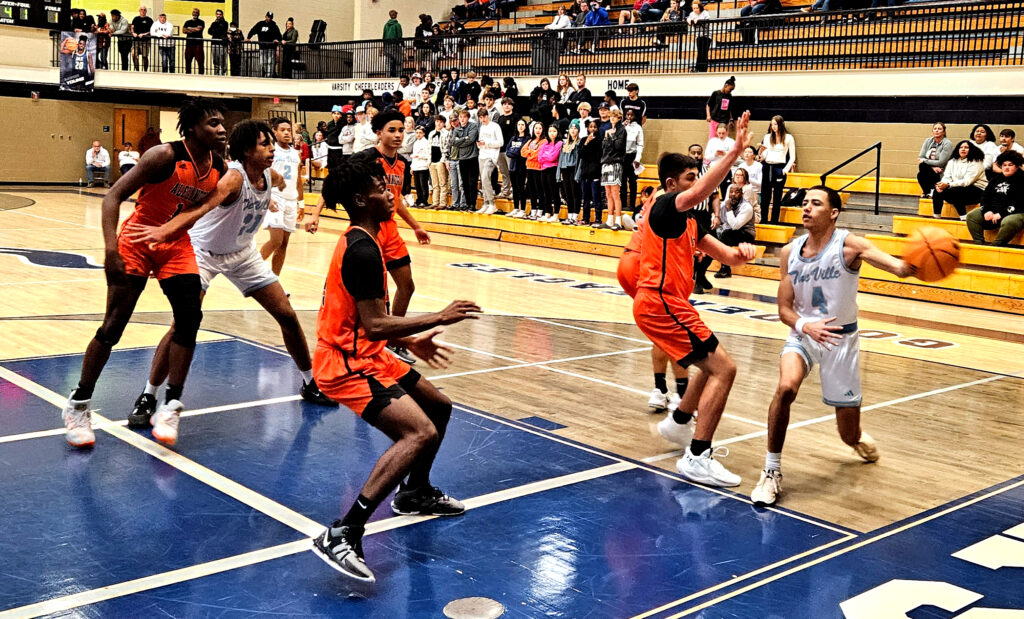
[568, 170]
[517, 169]
[963, 180]
[548, 158]
[590, 172]
[534, 187]
[778, 156]
[613, 150]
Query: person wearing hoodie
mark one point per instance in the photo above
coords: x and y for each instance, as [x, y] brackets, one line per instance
[548, 159]
[467, 152]
[490, 141]
[392, 38]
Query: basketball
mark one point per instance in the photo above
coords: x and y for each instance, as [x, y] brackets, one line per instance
[934, 252]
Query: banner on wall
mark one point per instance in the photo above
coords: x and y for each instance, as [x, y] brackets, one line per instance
[77, 61]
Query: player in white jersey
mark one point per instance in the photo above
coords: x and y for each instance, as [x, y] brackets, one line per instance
[223, 241]
[818, 301]
[289, 200]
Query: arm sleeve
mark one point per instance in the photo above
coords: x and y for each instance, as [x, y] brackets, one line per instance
[361, 271]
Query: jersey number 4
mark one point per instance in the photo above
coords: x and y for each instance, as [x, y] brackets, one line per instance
[818, 300]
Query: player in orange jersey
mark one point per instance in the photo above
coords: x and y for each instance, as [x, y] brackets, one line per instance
[173, 177]
[390, 129]
[663, 312]
[351, 367]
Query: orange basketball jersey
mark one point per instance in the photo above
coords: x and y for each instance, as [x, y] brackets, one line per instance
[182, 189]
[666, 264]
[338, 323]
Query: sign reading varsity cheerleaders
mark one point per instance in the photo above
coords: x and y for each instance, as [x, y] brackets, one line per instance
[77, 61]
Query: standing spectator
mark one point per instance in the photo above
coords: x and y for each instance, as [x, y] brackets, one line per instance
[697, 22]
[127, 158]
[438, 169]
[534, 188]
[597, 16]
[778, 154]
[935, 152]
[736, 223]
[1002, 204]
[236, 40]
[289, 49]
[162, 31]
[547, 157]
[963, 180]
[508, 122]
[141, 28]
[635, 103]
[490, 142]
[103, 31]
[613, 152]
[464, 145]
[581, 94]
[421, 167]
[269, 36]
[218, 31]
[717, 148]
[97, 161]
[590, 173]
[120, 30]
[392, 38]
[149, 140]
[517, 168]
[423, 43]
[564, 89]
[631, 160]
[568, 172]
[193, 30]
[717, 108]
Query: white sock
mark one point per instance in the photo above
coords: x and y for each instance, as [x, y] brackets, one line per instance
[151, 388]
[307, 376]
[773, 462]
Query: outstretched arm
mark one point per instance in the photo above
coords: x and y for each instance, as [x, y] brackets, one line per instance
[708, 183]
[858, 248]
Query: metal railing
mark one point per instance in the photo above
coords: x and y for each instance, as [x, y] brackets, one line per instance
[912, 35]
[877, 147]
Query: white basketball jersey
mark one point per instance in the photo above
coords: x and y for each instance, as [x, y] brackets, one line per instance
[231, 227]
[287, 163]
[823, 285]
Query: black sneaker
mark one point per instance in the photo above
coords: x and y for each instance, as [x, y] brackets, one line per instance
[145, 406]
[341, 547]
[428, 501]
[403, 354]
[312, 394]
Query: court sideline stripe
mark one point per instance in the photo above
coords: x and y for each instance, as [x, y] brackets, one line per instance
[201, 570]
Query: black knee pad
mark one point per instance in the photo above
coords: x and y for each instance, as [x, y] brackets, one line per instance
[183, 292]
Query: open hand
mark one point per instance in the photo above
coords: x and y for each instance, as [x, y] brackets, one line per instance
[437, 356]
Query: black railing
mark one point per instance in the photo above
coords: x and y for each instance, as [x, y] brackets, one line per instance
[877, 147]
[912, 35]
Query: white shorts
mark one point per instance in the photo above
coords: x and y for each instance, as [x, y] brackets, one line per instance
[285, 217]
[246, 269]
[839, 366]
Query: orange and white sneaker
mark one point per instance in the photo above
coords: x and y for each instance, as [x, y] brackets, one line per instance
[77, 418]
[165, 422]
[866, 448]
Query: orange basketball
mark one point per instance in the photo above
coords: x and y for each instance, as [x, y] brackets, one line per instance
[934, 252]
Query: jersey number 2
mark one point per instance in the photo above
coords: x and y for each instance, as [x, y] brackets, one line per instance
[818, 300]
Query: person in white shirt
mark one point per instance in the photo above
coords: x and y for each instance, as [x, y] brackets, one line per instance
[282, 220]
[421, 166]
[127, 158]
[97, 160]
[490, 142]
[778, 155]
[162, 31]
[717, 147]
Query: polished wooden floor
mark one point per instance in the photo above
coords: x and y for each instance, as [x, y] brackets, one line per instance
[942, 386]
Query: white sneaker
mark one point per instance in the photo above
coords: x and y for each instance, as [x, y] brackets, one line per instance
[867, 449]
[673, 402]
[658, 400]
[768, 489]
[78, 423]
[678, 434]
[704, 469]
[492, 209]
[165, 422]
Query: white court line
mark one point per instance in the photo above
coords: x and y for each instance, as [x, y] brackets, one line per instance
[807, 422]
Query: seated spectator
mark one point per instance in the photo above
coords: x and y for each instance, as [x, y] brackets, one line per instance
[985, 140]
[1002, 204]
[127, 158]
[596, 16]
[97, 161]
[963, 180]
[931, 161]
[735, 223]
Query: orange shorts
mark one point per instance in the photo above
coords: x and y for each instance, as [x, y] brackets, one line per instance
[396, 254]
[367, 385]
[629, 271]
[161, 261]
[674, 326]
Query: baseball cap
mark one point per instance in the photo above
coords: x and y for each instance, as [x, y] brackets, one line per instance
[336, 108]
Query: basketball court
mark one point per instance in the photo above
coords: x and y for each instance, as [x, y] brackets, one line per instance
[574, 505]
